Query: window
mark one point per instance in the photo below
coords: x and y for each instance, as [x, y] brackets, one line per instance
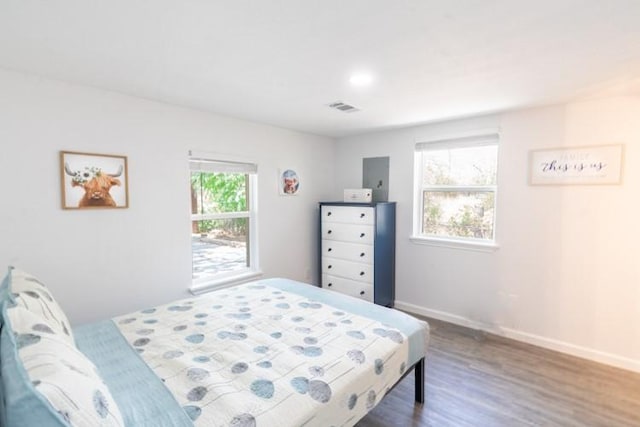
[223, 221]
[456, 189]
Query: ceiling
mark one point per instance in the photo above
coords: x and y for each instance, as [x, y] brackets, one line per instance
[282, 61]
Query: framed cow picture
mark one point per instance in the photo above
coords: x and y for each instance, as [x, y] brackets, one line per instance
[93, 181]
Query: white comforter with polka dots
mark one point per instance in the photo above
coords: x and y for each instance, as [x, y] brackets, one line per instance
[256, 355]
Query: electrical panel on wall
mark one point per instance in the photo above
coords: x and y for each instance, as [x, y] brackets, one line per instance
[375, 175]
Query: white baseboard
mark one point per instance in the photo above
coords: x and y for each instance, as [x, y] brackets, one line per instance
[540, 341]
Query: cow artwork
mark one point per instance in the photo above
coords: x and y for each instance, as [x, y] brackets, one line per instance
[96, 184]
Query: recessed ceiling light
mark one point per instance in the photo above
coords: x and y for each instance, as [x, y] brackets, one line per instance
[361, 79]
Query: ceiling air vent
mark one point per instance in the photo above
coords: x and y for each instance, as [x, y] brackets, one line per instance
[338, 105]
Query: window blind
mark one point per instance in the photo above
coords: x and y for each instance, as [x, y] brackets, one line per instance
[217, 166]
[461, 142]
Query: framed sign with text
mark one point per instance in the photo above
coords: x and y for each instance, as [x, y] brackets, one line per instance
[598, 164]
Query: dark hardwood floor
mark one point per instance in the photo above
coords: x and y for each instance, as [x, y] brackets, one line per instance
[477, 379]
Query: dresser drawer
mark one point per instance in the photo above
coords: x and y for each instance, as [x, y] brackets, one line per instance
[348, 232]
[348, 214]
[348, 269]
[348, 251]
[349, 287]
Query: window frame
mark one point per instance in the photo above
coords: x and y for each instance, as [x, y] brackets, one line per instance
[216, 163]
[485, 138]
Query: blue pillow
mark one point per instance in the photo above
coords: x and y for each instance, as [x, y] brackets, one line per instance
[5, 288]
[17, 389]
[44, 379]
[4, 297]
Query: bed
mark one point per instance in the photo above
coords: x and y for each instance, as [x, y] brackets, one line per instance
[272, 352]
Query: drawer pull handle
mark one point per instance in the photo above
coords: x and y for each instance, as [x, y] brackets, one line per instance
[361, 273]
[361, 215]
[329, 266]
[361, 234]
[329, 213]
[329, 232]
[361, 292]
[361, 254]
[330, 284]
[329, 250]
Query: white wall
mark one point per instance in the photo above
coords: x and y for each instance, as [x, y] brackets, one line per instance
[107, 262]
[567, 274]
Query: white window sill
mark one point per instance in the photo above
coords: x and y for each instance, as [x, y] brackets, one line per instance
[224, 282]
[455, 244]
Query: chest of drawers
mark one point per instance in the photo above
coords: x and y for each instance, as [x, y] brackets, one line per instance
[357, 250]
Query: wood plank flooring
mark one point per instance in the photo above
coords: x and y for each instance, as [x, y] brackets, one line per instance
[477, 379]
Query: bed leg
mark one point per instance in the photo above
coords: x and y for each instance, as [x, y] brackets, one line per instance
[419, 381]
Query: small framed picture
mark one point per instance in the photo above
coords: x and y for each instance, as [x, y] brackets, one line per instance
[288, 182]
[92, 181]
